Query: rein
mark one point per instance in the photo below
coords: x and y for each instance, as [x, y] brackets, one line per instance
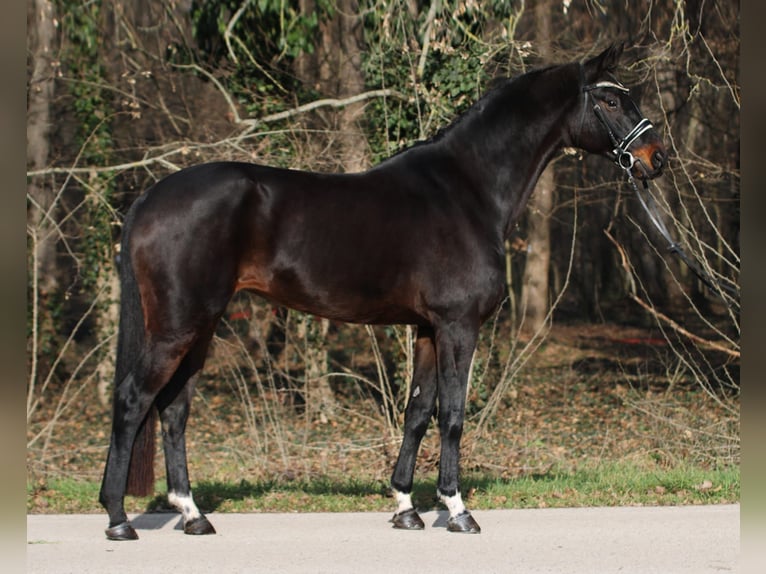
[625, 160]
[646, 200]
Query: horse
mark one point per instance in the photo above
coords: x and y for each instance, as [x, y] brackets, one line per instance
[418, 240]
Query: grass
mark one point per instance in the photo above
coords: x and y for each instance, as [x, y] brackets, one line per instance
[612, 484]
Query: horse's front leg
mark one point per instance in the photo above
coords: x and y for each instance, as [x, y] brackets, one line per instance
[455, 345]
[420, 408]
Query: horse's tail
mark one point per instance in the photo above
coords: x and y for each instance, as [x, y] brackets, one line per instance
[130, 343]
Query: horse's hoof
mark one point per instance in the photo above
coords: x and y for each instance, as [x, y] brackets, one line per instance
[199, 526]
[122, 531]
[463, 522]
[408, 520]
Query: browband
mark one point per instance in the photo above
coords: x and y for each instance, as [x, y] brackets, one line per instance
[606, 84]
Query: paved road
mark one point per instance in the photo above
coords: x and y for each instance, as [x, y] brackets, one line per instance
[665, 540]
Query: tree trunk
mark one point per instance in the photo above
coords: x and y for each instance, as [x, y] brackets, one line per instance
[335, 70]
[107, 321]
[40, 46]
[320, 399]
[534, 298]
[353, 143]
[658, 272]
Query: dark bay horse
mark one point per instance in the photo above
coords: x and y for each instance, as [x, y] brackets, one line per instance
[418, 240]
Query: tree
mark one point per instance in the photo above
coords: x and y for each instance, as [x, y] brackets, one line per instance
[334, 69]
[41, 212]
[534, 298]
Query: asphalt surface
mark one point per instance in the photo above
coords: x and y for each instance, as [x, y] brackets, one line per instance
[667, 540]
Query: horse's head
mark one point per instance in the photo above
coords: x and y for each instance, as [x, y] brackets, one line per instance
[609, 122]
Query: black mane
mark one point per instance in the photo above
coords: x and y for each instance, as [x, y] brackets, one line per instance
[496, 89]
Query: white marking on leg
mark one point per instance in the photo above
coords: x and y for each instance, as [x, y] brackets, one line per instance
[416, 392]
[403, 501]
[185, 504]
[453, 503]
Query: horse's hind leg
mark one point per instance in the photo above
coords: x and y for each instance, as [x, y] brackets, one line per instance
[133, 397]
[173, 403]
[417, 417]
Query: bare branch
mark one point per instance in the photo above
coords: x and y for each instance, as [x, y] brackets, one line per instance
[250, 124]
[661, 316]
[230, 26]
[432, 10]
[324, 103]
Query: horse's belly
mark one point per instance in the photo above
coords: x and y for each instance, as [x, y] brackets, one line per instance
[340, 297]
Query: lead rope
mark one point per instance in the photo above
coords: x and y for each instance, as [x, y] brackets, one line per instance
[650, 207]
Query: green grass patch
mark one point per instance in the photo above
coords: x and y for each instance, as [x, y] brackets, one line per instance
[612, 484]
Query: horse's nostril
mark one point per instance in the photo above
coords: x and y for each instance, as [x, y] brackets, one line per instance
[658, 159]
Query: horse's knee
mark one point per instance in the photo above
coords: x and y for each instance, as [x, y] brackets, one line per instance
[417, 421]
[451, 424]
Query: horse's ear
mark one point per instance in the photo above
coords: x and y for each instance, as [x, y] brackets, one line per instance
[605, 62]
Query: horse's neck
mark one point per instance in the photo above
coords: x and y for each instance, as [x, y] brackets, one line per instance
[508, 149]
[516, 193]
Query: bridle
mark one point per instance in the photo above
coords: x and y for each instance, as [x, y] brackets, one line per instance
[620, 153]
[625, 160]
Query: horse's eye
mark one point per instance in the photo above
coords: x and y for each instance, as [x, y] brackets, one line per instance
[611, 103]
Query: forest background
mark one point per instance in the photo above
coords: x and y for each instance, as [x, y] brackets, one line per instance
[607, 349]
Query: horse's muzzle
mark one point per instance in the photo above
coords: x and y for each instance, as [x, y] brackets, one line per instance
[650, 161]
